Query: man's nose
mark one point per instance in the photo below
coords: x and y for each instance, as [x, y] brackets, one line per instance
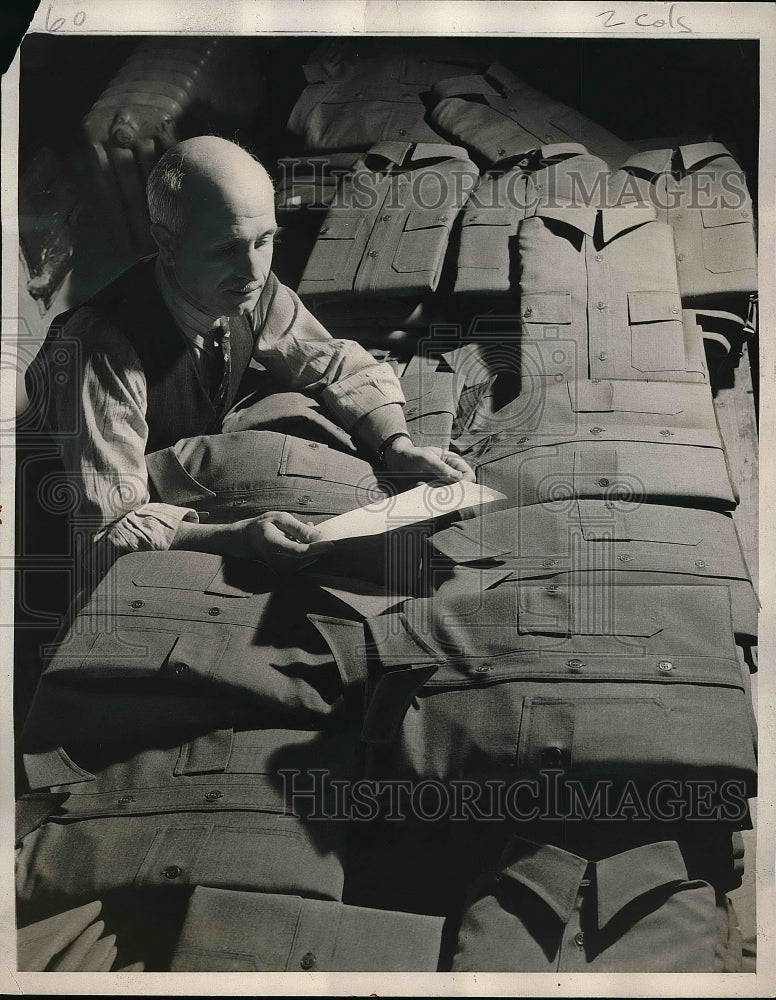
[252, 264]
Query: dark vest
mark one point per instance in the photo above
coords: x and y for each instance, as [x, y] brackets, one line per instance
[178, 403]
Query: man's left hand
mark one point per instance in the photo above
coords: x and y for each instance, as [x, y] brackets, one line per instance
[435, 465]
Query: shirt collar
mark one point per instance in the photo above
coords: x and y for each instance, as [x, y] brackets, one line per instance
[197, 325]
[555, 875]
[658, 161]
[614, 220]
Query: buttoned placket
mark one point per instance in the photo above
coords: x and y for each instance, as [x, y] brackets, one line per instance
[600, 296]
[387, 224]
[572, 954]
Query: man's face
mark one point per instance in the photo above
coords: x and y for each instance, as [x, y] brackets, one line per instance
[223, 256]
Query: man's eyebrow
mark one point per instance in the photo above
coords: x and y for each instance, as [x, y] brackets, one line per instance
[235, 238]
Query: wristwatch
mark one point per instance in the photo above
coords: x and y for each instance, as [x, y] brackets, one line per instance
[389, 440]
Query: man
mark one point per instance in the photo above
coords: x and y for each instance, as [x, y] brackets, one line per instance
[159, 356]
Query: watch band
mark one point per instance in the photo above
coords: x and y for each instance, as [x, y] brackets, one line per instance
[382, 449]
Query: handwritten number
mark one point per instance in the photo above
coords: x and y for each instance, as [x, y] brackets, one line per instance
[608, 23]
[56, 25]
[78, 19]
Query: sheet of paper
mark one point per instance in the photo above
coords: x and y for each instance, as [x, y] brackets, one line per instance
[418, 504]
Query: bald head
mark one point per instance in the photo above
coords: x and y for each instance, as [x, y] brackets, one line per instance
[206, 173]
[213, 217]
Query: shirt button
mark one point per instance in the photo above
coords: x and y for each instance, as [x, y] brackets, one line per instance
[125, 800]
[214, 795]
[625, 558]
[700, 562]
[603, 356]
[386, 218]
[502, 152]
[372, 253]
[522, 440]
[600, 306]
[137, 604]
[680, 256]
[598, 257]
[579, 939]
[575, 666]
[744, 215]
[603, 482]
[666, 433]
[473, 217]
[665, 666]
[552, 756]
[548, 562]
[324, 229]
[172, 871]
[674, 310]
[303, 500]
[596, 430]
[312, 444]
[308, 961]
[484, 668]
[214, 612]
[441, 218]
[180, 668]
[528, 312]
[402, 131]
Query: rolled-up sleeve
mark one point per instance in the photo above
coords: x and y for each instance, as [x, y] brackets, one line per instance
[102, 432]
[300, 352]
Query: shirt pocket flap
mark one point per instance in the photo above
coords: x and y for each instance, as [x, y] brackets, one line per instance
[591, 396]
[306, 459]
[654, 307]
[490, 215]
[546, 307]
[648, 397]
[714, 217]
[134, 653]
[340, 227]
[550, 610]
[428, 219]
[187, 571]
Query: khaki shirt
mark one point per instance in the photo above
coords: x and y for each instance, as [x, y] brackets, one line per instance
[387, 231]
[603, 284]
[548, 910]
[259, 932]
[498, 115]
[559, 173]
[610, 543]
[700, 192]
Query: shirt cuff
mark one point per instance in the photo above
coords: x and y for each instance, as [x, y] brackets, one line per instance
[151, 526]
[357, 395]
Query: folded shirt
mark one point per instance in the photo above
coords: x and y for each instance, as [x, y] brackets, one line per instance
[387, 232]
[700, 191]
[498, 114]
[268, 932]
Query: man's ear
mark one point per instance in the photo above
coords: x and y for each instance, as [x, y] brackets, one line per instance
[165, 241]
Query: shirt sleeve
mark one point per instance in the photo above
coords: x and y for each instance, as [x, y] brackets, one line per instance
[102, 432]
[298, 351]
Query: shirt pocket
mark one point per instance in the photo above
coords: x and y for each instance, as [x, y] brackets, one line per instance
[657, 331]
[550, 308]
[485, 239]
[334, 251]
[728, 239]
[422, 242]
